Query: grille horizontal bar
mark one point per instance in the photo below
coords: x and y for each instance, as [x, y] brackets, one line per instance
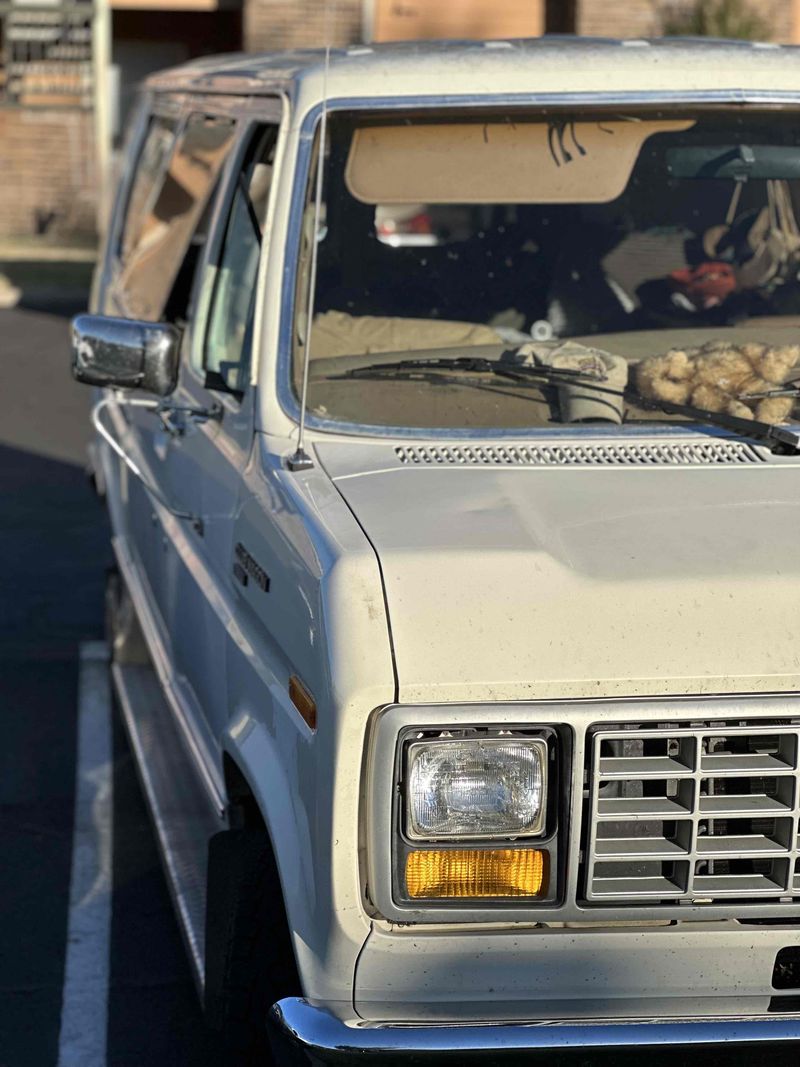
[752, 764]
[693, 814]
[746, 845]
[750, 804]
[657, 767]
[639, 808]
[737, 885]
[639, 847]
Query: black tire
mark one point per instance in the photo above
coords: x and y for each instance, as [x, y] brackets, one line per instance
[250, 961]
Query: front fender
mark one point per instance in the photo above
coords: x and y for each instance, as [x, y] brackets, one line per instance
[319, 877]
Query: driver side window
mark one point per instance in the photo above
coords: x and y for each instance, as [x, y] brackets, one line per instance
[169, 216]
[229, 335]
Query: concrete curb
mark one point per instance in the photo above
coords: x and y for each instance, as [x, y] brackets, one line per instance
[22, 252]
[10, 294]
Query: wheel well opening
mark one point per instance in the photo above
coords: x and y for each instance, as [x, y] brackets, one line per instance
[244, 814]
[243, 810]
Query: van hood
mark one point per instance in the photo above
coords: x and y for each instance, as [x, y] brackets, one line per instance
[514, 582]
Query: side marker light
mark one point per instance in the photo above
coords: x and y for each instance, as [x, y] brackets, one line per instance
[303, 701]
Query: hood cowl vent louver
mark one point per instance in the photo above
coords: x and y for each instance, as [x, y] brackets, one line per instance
[660, 454]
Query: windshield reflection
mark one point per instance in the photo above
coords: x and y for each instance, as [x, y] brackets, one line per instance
[688, 277]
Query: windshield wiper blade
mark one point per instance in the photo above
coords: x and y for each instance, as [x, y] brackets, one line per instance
[471, 365]
[780, 439]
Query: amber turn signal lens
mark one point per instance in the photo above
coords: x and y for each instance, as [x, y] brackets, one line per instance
[471, 872]
[303, 701]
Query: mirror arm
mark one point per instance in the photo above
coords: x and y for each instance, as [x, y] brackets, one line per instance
[109, 438]
[172, 415]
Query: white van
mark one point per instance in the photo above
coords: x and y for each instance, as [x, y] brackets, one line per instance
[455, 481]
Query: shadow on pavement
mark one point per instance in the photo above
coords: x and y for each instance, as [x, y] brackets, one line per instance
[63, 305]
[53, 288]
[54, 549]
[53, 540]
[154, 1013]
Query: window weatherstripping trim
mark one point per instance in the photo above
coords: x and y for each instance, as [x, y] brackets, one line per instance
[271, 111]
[208, 269]
[315, 1035]
[119, 210]
[268, 249]
[563, 101]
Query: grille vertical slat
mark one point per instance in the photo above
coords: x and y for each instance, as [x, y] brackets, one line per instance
[693, 814]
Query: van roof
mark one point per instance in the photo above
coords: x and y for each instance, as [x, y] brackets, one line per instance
[739, 70]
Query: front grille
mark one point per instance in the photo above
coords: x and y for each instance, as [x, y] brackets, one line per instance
[707, 453]
[704, 815]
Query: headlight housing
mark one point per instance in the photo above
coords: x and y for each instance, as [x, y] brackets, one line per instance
[483, 788]
[476, 822]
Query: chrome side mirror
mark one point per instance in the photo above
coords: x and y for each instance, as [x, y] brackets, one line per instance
[125, 353]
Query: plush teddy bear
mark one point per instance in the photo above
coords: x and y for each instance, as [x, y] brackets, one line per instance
[718, 375]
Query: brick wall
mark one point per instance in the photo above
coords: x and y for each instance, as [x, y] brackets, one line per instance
[616, 18]
[47, 159]
[404, 20]
[784, 19]
[642, 18]
[271, 24]
[47, 163]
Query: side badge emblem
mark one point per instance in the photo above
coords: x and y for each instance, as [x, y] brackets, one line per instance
[245, 568]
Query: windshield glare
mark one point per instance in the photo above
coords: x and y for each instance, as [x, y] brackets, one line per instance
[664, 249]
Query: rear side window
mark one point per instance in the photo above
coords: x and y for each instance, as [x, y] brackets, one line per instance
[150, 167]
[156, 244]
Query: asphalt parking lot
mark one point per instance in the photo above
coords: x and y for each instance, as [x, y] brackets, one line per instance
[139, 1005]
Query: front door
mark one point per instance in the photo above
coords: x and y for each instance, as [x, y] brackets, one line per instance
[151, 277]
[204, 461]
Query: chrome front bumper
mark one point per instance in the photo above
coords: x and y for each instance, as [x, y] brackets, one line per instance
[303, 1034]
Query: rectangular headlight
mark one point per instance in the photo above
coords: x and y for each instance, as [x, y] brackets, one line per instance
[476, 788]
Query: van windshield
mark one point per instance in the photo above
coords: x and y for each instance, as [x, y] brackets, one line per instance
[657, 254]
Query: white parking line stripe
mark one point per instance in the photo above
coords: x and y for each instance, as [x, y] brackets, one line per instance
[82, 1039]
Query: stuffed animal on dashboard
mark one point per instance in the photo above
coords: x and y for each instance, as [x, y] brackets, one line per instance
[723, 377]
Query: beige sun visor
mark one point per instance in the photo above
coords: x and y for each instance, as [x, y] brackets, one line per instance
[500, 162]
